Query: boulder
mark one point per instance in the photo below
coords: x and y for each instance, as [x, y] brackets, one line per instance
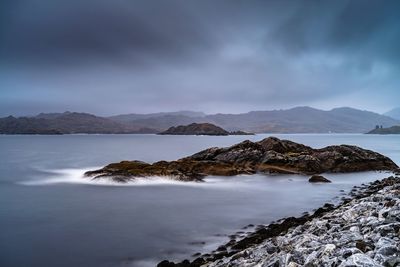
[318, 179]
[359, 260]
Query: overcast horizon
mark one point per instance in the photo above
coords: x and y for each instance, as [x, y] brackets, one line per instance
[118, 57]
[172, 111]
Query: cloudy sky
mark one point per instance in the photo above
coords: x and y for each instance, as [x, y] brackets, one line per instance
[123, 56]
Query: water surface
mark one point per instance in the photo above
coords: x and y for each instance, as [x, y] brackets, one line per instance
[51, 216]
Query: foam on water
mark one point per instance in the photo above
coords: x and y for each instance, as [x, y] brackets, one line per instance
[239, 182]
[76, 176]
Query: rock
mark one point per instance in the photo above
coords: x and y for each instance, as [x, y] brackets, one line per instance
[388, 250]
[318, 179]
[363, 246]
[270, 155]
[385, 242]
[347, 252]
[392, 261]
[311, 259]
[359, 260]
[165, 263]
[329, 248]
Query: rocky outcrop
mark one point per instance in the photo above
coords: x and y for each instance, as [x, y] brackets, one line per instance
[270, 155]
[201, 129]
[318, 179]
[195, 129]
[361, 231]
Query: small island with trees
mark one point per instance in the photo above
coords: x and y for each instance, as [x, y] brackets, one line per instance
[379, 129]
[201, 129]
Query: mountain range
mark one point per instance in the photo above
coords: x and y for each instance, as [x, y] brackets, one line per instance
[295, 120]
[394, 113]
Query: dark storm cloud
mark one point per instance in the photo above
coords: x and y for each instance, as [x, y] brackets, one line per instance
[87, 30]
[343, 26]
[227, 56]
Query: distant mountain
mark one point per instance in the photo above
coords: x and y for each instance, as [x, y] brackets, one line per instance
[390, 130]
[65, 123]
[195, 129]
[394, 113]
[295, 120]
[302, 120]
[133, 117]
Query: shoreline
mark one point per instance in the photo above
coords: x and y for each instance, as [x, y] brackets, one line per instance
[264, 246]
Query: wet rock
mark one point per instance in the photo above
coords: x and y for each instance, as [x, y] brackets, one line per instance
[270, 155]
[166, 263]
[318, 179]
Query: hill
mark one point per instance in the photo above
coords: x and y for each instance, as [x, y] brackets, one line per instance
[394, 113]
[195, 129]
[65, 123]
[295, 120]
[303, 120]
[134, 116]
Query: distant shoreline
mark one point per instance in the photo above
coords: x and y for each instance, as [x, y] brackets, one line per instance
[294, 120]
[155, 134]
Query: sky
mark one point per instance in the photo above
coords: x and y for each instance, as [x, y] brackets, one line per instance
[127, 56]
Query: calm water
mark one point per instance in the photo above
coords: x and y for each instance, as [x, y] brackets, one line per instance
[51, 216]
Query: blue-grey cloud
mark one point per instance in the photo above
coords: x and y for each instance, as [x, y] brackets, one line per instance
[226, 56]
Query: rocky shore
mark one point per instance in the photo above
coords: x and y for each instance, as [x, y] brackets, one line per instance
[270, 155]
[363, 230]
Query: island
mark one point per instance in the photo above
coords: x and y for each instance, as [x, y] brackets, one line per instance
[270, 155]
[389, 130]
[201, 129]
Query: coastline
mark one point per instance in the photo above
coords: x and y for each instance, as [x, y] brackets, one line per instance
[334, 235]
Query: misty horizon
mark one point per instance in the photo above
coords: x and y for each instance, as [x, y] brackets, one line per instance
[183, 111]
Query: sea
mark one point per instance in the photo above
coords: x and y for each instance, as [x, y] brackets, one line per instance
[51, 215]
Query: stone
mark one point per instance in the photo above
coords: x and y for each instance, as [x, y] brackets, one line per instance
[318, 179]
[392, 261]
[359, 260]
[329, 248]
[362, 245]
[387, 250]
[347, 252]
